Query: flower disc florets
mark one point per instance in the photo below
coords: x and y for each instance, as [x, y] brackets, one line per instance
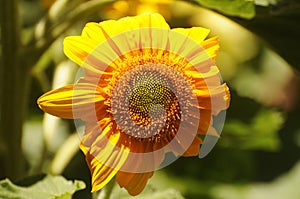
[145, 101]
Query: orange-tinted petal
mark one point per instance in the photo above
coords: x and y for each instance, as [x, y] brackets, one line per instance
[133, 182]
[205, 124]
[144, 156]
[205, 121]
[183, 139]
[193, 150]
[215, 98]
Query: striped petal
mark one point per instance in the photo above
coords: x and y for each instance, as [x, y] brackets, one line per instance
[103, 155]
[216, 98]
[77, 48]
[72, 101]
[211, 46]
[205, 80]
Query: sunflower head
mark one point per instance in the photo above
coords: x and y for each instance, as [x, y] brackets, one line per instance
[147, 91]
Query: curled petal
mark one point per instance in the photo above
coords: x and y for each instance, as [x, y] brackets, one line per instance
[71, 101]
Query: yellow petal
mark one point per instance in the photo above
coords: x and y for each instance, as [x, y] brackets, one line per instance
[77, 48]
[211, 46]
[71, 101]
[107, 29]
[101, 174]
[133, 182]
[93, 131]
[93, 31]
[203, 57]
[207, 79]
[154, 20]
[198, 34]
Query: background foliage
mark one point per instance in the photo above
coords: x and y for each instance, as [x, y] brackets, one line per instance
[258, 153]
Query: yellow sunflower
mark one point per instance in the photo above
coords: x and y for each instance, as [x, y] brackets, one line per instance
[147, 94]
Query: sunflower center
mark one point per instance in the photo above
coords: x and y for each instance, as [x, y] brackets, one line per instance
[150, 98]
[145, 101]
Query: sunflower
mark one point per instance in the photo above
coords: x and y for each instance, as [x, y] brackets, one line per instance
[149, 95]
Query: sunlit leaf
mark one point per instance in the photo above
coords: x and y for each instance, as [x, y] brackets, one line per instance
[51, 187]
[240, 8]
[265, 2]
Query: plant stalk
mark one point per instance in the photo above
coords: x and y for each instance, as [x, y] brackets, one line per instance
[107, 190]
[14, 80]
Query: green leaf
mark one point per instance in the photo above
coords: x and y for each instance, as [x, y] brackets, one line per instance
[265, 2]
[260, 133]
[285, 186]
[239, 8]
[51, 187]
[169, 193]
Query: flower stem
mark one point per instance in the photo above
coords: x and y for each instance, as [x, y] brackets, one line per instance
[14, 80]
[107, 190]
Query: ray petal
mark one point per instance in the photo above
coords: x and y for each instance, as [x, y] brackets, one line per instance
[77, 48]
[211, 46]
[133, 182]
[215, 98]
[193, 150]
[196, 33]
[154, 20]
[103, 156]
[72, 101]
[205, 80]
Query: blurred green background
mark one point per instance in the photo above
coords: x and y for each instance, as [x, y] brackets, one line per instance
[258, 154]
